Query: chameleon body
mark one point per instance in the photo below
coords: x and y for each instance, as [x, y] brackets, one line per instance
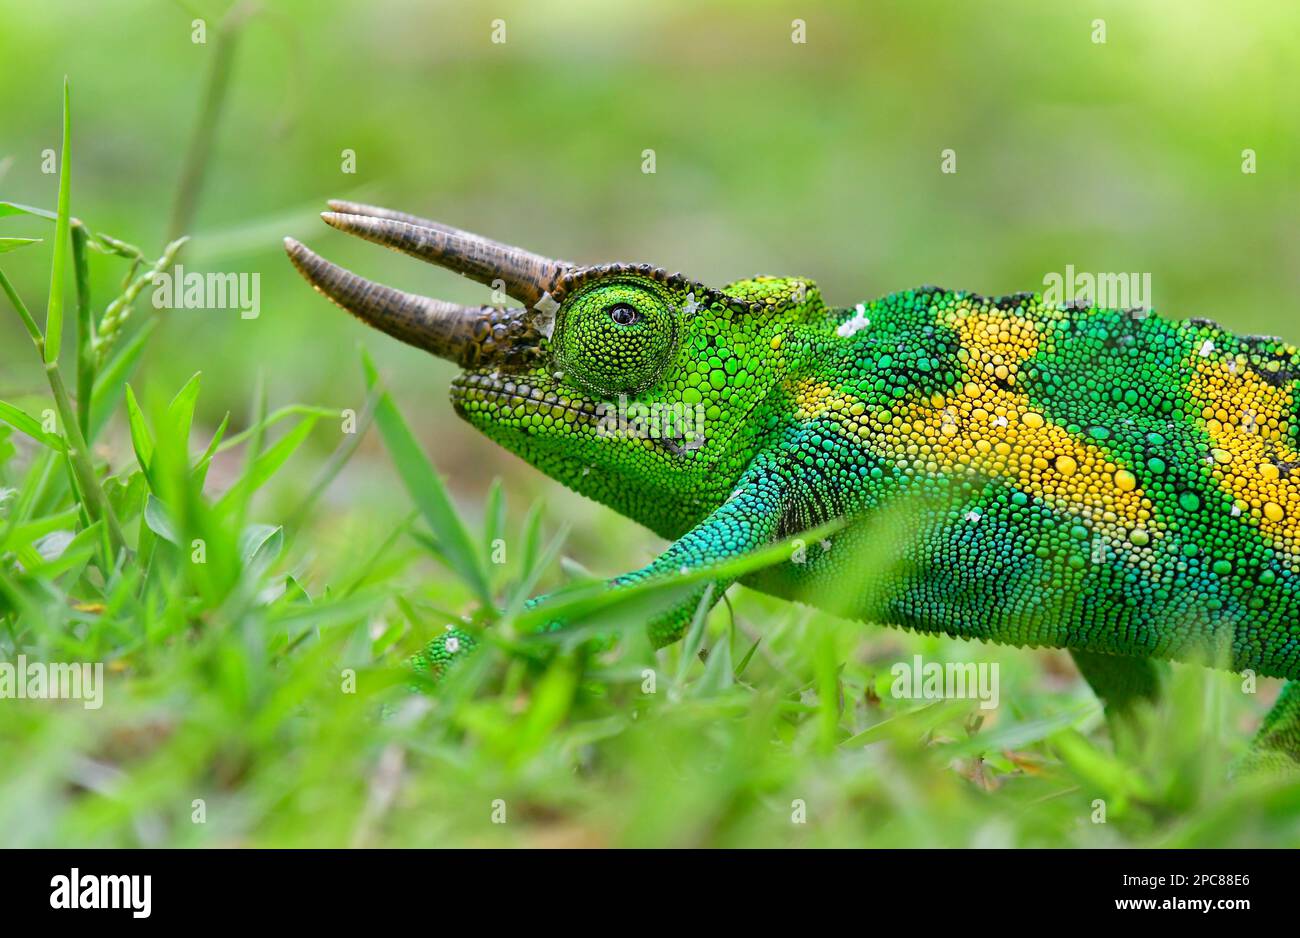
[1104, 481]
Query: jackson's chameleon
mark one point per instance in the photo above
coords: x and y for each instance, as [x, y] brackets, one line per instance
[1100, 480]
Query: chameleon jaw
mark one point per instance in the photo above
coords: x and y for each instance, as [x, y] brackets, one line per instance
[504, 392]
[468, 336]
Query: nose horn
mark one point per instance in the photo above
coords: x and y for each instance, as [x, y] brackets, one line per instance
[529, 278]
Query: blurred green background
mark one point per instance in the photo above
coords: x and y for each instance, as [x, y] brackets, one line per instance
[819, 159]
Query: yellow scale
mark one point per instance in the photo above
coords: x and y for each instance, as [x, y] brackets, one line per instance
[995, 430]
[1246, 420]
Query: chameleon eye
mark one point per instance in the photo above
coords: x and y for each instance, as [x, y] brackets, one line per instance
[624, 314]
[615, 338]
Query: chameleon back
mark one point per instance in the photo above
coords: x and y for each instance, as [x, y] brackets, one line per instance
[1032, 475]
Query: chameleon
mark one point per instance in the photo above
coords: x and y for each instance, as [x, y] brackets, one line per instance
[1002, 469]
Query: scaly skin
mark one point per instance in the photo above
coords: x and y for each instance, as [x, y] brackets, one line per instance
[1108, 482]
[1085, 479]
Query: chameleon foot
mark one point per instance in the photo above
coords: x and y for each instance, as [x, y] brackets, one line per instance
[444, 652]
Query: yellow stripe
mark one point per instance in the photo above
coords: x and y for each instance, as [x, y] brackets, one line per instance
[994, 430]
[1246, 419]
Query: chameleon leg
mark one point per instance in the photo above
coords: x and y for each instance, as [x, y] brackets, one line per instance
[1276, 747]
[1121, 684]
[747, 520]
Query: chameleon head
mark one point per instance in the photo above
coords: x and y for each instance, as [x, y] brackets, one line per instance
[629, 384]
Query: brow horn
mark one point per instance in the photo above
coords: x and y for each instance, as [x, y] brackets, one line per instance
[529, 278]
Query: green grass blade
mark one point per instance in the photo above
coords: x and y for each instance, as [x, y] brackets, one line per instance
[826, 674]
[141, 438]
[159, 520]
[583, 602]
[261, 543]
[13, 244]
[550, 704]
[201, 467]
[911, 725]
[21, 420]
[24, 314]
[1018, 735]
[532, 535]
[494, 519]
[266, 465]
[264, 422]
[17, 208]
[238, 508]
[85, 328]
[73, 555]
[29, 532]
[718, 676]
[519, 595]
[694, 635]
[338, 459]
[744, 662]
[179, 418]
[62, 240]
[427, 490]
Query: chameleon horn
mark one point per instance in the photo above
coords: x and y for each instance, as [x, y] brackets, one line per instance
[344, 207]
[445, 329]
[528, 277]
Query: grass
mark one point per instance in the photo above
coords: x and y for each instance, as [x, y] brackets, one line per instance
[259, 691]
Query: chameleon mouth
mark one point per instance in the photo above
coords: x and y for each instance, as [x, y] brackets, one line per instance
[480, 392]
[497, 395]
